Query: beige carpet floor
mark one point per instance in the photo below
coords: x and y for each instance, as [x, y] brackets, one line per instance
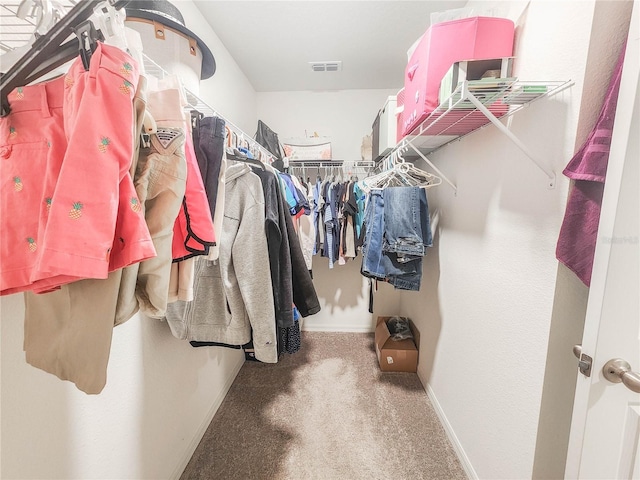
[326, 412]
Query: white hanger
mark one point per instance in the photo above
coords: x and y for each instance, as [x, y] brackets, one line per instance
[46, 12]
[401, 174]
[111, 23]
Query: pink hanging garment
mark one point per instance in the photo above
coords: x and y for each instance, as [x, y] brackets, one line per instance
[588, 168]
[65, 152]
[193, 232]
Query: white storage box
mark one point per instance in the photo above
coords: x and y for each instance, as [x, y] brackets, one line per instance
[385, 129]
[473, 70]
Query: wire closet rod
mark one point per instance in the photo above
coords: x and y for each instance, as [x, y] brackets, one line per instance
[200, 105]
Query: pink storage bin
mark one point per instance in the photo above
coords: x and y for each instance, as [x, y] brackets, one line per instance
[443, 44]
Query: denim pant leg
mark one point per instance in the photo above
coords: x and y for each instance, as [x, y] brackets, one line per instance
[406, 275]
[403, 222]
[373, 262]
[425, 222]
[208, 141]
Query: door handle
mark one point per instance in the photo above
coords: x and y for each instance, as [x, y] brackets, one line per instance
[577, 351]
[618, 370]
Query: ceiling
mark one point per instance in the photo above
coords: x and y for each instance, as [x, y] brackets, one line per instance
[274, 41]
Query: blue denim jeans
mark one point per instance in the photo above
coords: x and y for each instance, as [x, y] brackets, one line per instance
[373, 265]
[397, 233]
[406, 222]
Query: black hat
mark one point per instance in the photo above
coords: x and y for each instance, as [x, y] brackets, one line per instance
[168, 14]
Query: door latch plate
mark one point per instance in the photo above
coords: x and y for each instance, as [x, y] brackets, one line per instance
[584, 364]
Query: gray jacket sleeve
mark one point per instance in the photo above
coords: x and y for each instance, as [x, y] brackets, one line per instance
[251, 265]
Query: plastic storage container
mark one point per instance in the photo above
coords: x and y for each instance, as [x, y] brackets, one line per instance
[476, 38]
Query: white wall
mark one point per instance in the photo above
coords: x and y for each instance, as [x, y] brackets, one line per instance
[160, 393]
[344, 116]
[229, 91]
[344, 298]
[490, 279]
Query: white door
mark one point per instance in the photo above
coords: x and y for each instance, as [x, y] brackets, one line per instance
[605, 429]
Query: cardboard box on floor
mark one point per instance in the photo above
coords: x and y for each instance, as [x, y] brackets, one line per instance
[396, 355]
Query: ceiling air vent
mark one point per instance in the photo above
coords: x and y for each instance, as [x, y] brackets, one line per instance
[326, 66]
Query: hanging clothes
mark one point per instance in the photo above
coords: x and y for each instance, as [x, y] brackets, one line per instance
[318, 216]
[279, 250]
[350, 210]
[360, 198]
[304, 223]
[290, 339]
[68, 331]
[209, 141]
[232, 315]
[69, 221]
[193, 232]
[397, 233]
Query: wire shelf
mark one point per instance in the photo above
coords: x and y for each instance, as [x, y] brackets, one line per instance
[473, 105]
[459, 116]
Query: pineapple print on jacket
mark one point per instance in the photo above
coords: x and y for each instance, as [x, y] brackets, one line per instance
[12, 132]
[76, 212]
[126, 69]
[17, 184]
[126, 87]
[20, 93]
[32, 244]
[135, 205]
[104, 143]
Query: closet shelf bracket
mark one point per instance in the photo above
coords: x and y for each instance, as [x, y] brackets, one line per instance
[551, 176]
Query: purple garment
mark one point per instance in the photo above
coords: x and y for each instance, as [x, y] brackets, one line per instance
[588, 168]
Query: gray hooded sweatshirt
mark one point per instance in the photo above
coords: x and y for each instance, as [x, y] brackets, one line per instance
[233, 295]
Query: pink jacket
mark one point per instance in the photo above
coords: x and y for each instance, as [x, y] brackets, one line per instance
[68, 205]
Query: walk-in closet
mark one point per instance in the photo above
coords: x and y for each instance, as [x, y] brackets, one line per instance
[319, 239]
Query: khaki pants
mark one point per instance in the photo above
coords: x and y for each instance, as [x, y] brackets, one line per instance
[68, 332]
[160, 183]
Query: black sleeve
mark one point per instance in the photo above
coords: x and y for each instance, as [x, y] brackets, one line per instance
[304, 293]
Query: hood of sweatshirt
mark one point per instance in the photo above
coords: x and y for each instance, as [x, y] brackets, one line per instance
[235, 171]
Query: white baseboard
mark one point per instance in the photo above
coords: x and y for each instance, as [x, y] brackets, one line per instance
[337, 328]
[457, 446]
[191, 448]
